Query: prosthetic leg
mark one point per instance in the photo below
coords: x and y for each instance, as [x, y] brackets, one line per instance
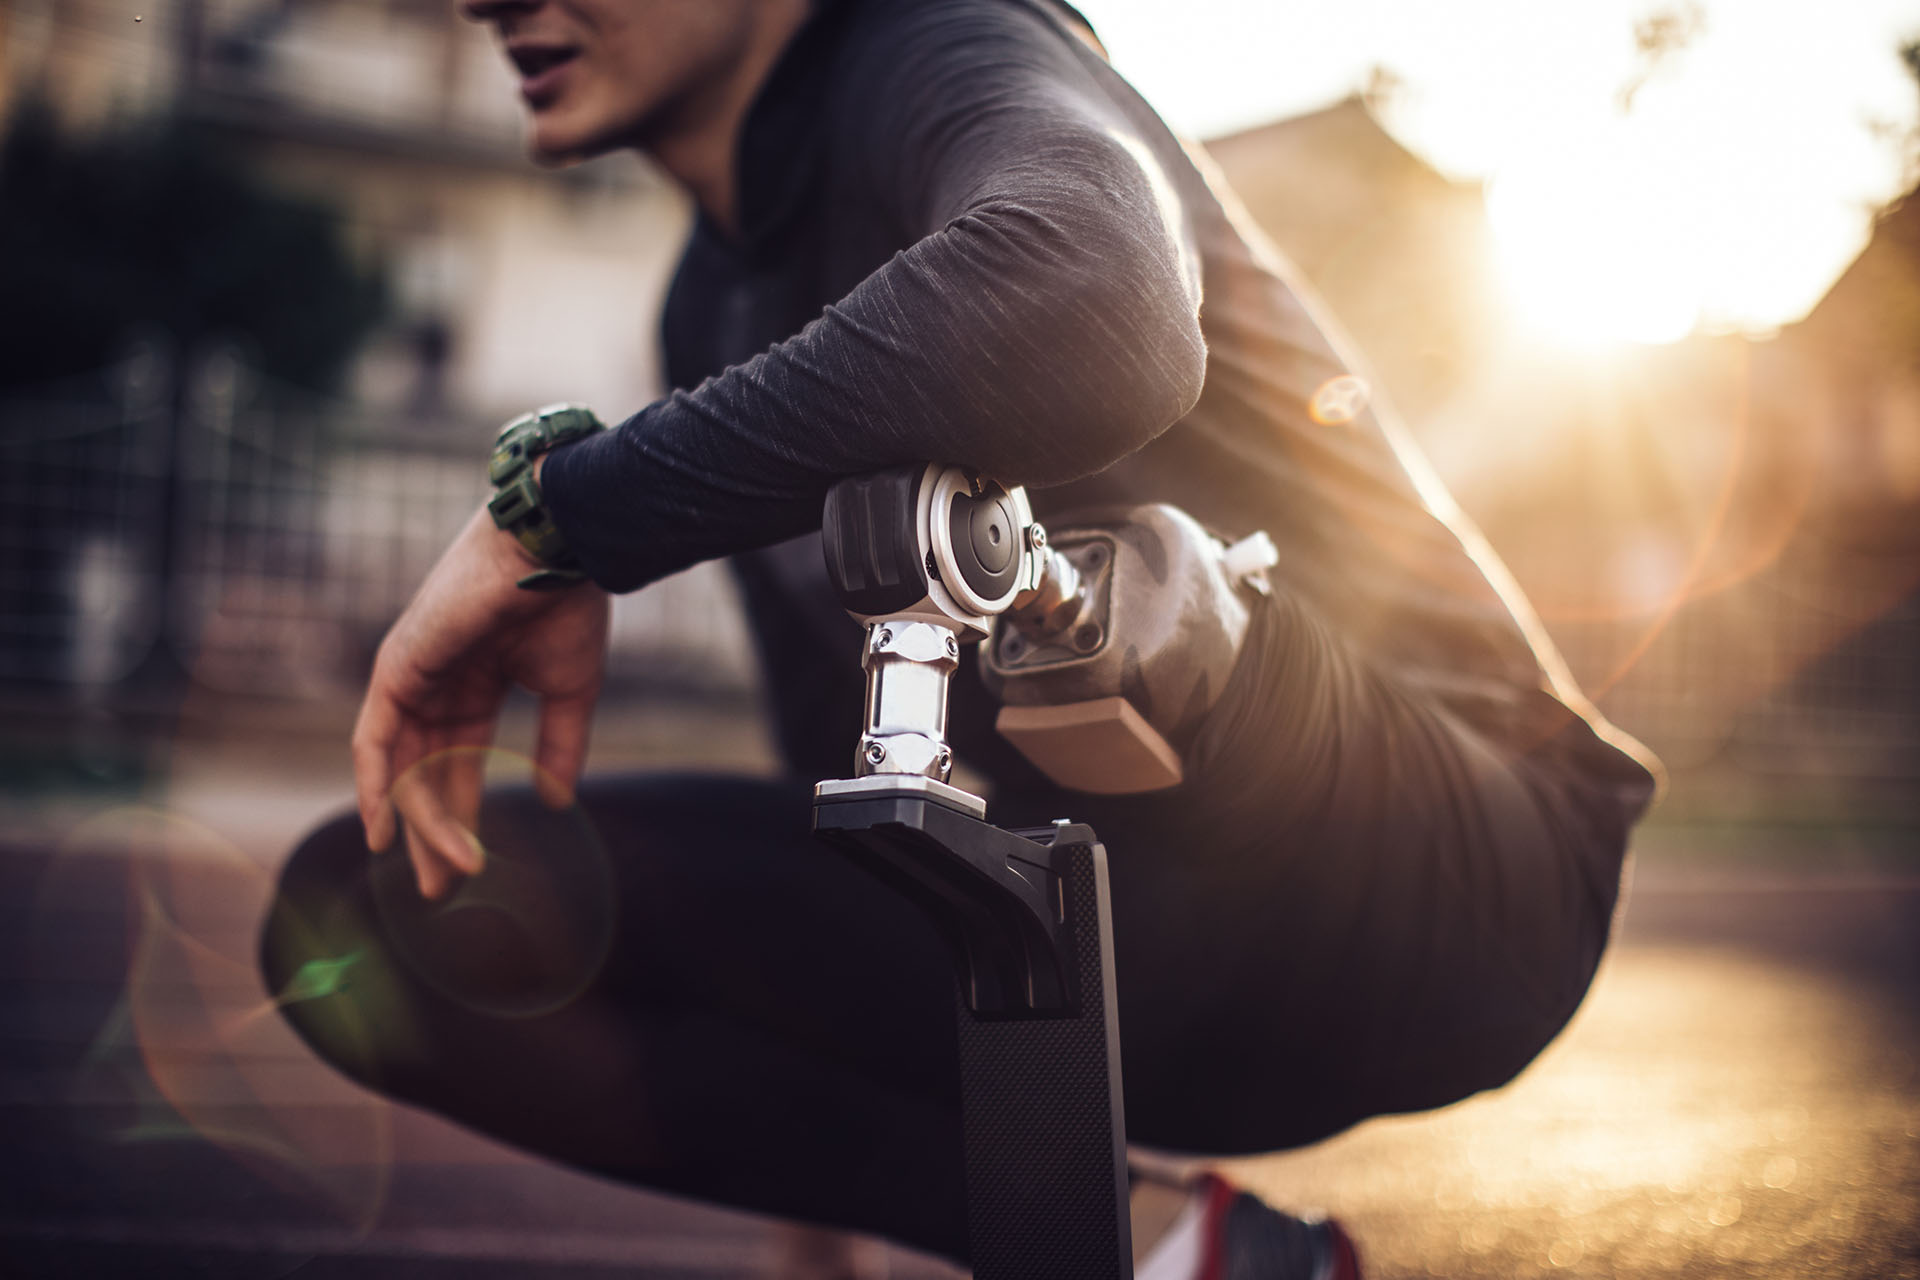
[928, 558]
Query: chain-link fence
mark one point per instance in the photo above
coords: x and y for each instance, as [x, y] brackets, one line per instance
[84, 477]
[259, 543]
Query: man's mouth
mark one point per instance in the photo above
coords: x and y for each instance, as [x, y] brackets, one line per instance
[540, 67]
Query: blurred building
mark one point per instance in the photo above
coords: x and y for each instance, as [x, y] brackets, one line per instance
[1400, 253]
[1722, 534]
[513, 287]
[301, 534]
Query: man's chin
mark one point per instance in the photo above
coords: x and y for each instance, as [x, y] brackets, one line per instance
[547, 156]
[553, 148]
[544, 159]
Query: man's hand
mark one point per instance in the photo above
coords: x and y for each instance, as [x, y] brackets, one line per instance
[438, 684]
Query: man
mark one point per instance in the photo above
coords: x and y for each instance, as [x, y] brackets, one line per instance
[946, 230]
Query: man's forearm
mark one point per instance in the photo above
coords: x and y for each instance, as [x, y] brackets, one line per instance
[1003, 342]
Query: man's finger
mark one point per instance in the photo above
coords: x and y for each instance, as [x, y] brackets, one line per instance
[408, 746]
[373, 739]
[430, 829]
[561, 751]
[462, 780]
[428, 872]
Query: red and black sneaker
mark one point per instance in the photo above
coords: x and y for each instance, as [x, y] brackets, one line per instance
[1244, 1239]
[1225, 1233]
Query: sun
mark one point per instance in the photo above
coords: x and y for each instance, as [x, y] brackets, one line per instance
[1715, 204]
[1594, 249]
[1645, 231]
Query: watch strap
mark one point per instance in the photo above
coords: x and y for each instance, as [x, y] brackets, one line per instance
[517, 506]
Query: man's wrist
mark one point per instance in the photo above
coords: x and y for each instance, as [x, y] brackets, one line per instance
[514, 552]
[518, 506]
[507, 566]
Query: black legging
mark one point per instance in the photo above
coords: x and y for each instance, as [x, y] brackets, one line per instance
[771, 1029]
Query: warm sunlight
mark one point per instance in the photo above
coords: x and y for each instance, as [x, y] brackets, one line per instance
[1639, 233]
[1587, 251]
[1653, 167]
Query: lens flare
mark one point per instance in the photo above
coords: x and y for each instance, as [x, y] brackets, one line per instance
[1339, 401]
[317, 979]
[191, 1052]
[531, 931]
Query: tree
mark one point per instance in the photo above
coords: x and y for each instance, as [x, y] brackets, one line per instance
[155, 230]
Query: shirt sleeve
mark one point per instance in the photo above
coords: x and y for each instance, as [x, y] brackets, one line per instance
[1042, 323]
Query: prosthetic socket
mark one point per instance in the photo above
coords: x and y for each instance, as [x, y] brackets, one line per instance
[1107, 644]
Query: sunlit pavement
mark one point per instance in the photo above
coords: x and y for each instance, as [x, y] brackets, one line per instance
[1739, 1097]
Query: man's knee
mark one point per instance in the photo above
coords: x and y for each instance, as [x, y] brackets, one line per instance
[316, 887]
[1515, 979]
[326, 966]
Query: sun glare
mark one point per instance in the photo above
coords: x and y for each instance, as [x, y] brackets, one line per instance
[1713, 196]
[1642, 238]
[1653, 167]
[1589, 252]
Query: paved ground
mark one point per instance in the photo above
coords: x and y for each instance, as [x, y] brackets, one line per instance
[1739, 1097]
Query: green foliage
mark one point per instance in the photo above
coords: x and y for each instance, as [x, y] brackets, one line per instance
[155, 230]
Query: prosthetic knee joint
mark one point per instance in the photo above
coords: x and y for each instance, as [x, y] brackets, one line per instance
[1107, 644]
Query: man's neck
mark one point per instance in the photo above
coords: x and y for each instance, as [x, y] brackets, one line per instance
[698, 149]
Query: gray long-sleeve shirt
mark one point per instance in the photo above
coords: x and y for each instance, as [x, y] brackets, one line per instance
[963, 237]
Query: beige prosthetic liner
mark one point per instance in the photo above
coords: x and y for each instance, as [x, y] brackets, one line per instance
[1107, 669]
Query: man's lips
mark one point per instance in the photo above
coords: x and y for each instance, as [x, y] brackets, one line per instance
[541, 68]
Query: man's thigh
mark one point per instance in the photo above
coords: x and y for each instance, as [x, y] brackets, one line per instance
[1363, 905]
[765, 1026]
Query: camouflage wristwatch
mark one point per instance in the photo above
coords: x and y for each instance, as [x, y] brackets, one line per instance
[516, 504]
